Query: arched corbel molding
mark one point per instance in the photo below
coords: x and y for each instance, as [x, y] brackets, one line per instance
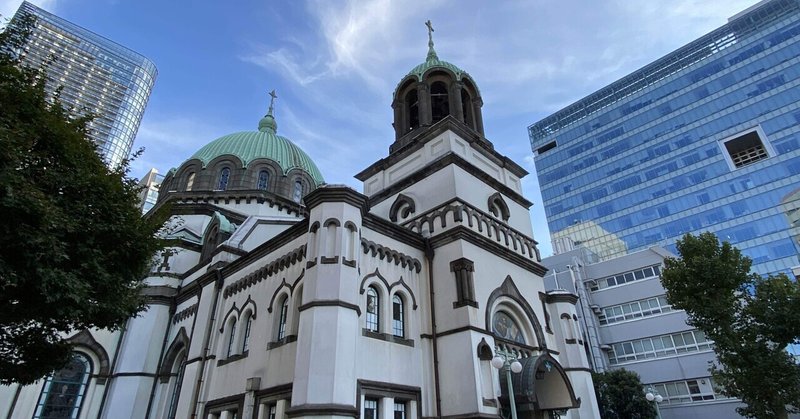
[250, 302]
[233, 310]
[277, 292]
[179, 343]
[404, 206]
[497, 203]
[402, 284]
[376, 274]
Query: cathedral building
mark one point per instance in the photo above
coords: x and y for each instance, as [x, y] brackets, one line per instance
[286, 297]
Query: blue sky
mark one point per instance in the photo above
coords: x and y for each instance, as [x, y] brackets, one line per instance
[336, 63]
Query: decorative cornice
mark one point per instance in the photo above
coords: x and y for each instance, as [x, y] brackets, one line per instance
[561, 297]
[383, 252]
[335, 193]
[184, 314]
[266, 270]
[440, 163]
[389, 229]
[185, 201]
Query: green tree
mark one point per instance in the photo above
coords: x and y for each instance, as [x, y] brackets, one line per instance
[73, 244]
[620, 395]
[751, 319]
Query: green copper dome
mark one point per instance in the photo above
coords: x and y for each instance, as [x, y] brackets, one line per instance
[264, 143]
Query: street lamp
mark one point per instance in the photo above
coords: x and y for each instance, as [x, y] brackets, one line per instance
[652, 395]
[509, 361]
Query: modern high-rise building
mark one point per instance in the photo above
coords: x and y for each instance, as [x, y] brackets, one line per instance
[96, 75]
[148, 194]
[706, 138]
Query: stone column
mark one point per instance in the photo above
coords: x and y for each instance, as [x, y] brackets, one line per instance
[456, 108]
[424, 98]
[386, 408]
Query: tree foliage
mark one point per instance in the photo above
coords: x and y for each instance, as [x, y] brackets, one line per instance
[620, 395]
[73, 244]
[751, 319]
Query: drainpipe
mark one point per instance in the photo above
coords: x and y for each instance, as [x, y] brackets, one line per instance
[588, 318]
[429, 254]
[206, 343]
[111, 371]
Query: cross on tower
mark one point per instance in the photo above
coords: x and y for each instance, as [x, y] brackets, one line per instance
[272, 101]
[430, 32]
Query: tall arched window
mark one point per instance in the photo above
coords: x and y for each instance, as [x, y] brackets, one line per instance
[298, 191]
[263, 180]
[440, 102]
[282, 319]
[190, 181]
[62, 394]
[178, 369]
[224, 177]
[398, 325]
[373, 309]
[248, 322]
[466, 107]
[232, 338]
[412, 109]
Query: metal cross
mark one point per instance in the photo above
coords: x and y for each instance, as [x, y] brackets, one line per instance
[430, 31]
[272, 101]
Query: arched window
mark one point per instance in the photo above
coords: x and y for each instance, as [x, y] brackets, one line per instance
[224, 176]
[440, 102]
[504, 326]
[178, 369]
[398, 325]
[248, 322]
[232, 338]
[263, 180]
[373, 309]
[298, 191]
[190, 181]
[466, 107]
[412, 109]
[62, 394]
[282, 319]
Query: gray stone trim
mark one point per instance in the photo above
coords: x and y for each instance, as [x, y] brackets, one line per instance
[330, 303]
[280, 342]
[323, 410]
[329, 261]
[236, 400]
[282, 391]
[484, 351]
[471, 416]
[383, 389]
[440, 163]
[386, 337]
[389, 229]
[389, 287]
[562, 298]
[402, 202]
[464, 233]
[547, 324]
[179, 343]
[497, 199]
[328, 194]
[232, 358]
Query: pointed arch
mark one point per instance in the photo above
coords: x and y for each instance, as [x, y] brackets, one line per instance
[84, 338]
[509, 289]
[179, 343]
[232, 312]
[498, 207]
[541, 385]
[410, 294]
[277, 292]
[378, 276]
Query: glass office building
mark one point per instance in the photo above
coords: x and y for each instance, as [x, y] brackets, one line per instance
[706, 138]
[97, 76]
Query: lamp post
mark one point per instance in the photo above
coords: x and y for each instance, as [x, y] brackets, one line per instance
[653, 396]
[509, 361]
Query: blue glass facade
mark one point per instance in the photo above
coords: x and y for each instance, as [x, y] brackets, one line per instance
[648, 158]
[96, 75]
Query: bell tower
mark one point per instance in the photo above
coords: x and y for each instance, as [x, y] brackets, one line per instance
[431, 92]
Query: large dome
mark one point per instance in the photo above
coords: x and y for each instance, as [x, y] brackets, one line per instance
[264, 143]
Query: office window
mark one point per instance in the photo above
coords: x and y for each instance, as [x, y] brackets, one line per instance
[370, 409]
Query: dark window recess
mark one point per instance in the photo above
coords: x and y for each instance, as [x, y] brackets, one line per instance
[547, 147]
[746, 149]
[440, 103]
